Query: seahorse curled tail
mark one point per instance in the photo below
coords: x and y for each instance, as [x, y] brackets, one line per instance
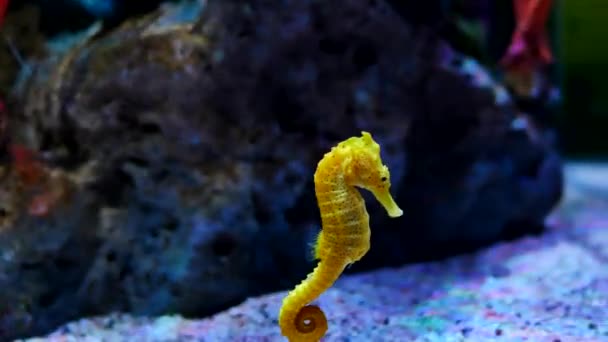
[300, 322]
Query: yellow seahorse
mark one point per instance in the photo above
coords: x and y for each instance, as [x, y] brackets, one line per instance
[345, 237]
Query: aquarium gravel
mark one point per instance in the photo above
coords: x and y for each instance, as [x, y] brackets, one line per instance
[552, 287]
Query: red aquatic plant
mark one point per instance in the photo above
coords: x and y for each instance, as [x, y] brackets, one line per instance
[529, 51]
[529, 46]
[3, 7]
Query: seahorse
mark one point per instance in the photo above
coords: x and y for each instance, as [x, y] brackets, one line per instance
[345, 234]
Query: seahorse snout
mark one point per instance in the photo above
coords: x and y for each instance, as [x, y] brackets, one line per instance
[386, 199]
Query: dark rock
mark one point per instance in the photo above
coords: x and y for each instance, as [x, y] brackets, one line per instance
[192, 150]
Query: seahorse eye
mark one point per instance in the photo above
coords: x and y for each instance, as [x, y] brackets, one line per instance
[383, 179]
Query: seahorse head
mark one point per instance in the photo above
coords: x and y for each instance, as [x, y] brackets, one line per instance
[363, 167]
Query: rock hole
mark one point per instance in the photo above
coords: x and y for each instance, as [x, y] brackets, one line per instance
[517, 228]
[381, 114]
[349, 110]
[171, 225]
[244, 33]
[291, 179]
[456, 62]
[261, 213]
[364, 56]
[74, 147]
[46, 299]
[149, 128]
[137, 161]
[124, 272]
[255, 136]
[160, 175]
[319, 24]
[302, 211]
[175, 290]
[64, 264]
[111, 256]
[533, 168]
[223, 245]
[332, 46]
[46, 141]
[30, 265]
[109, 187]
